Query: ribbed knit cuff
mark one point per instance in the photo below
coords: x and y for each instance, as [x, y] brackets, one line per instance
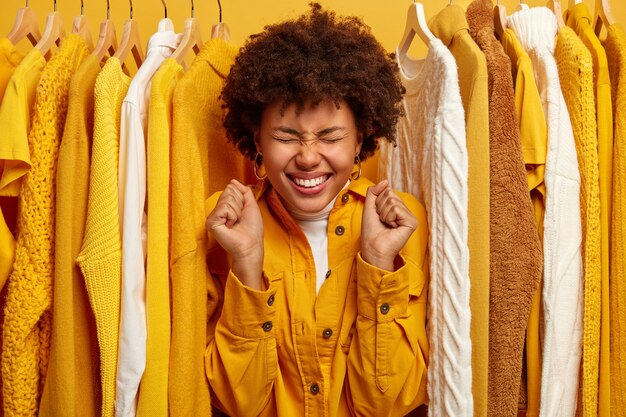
[248, 313]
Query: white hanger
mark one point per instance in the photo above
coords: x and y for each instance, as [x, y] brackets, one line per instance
[415, 25]
[522, 6]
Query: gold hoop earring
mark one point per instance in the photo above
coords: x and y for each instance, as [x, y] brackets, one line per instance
[356, 174]
[258, 160]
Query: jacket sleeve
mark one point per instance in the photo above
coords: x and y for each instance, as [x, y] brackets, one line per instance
[387, 358]
[241, 360]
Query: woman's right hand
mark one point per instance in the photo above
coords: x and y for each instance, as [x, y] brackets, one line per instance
[236, 224]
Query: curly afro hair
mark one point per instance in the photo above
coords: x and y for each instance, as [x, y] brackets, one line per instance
[316, 57]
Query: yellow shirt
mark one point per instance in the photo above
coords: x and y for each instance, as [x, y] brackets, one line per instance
[100, 258]
[73, 382]
[534, 138]
[596, 390]
[451, 27]
[202, 162]
[358, 347]
[27, 324]
[616, 53]
[153, 389]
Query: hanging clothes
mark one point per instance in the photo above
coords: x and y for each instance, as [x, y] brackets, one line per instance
[28, 317]
[73, 382]
[202, 162]
[153, 399]
[596, 352]
[575, 68]
[562, 282]
[615, 45]
[436, 164]
[534, 140]
[131, 360]
[450, 25]
[515, 247]
[101, 253]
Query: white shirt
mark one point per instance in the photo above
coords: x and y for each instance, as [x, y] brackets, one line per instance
[562, 230]
[132, 183]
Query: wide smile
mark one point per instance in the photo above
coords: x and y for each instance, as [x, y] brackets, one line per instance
[309, 185]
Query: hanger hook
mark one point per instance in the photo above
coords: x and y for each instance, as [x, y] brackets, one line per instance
[82, 8]
[54, 7]
[26, 3]
[220, 6]
[108, 10]
[164, 7]
[131, 8]
[193, 9]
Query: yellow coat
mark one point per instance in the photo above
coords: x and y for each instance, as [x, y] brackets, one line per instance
[616, 53]
[596, 366]
[202, 162]
[451, 27]
[28, 316]
[534, 138]
[73, 382]
[100, 258]
[358, 347]
[153, 389]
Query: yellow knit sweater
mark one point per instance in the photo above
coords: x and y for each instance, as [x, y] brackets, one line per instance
[100, 258]
[596, 369]
[27, 325]
[202, 163]
[73, 382]
[576, 76]
[153, 389]
[616, 53]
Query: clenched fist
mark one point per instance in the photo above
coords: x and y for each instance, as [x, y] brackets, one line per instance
[236, 224]
[386, 226]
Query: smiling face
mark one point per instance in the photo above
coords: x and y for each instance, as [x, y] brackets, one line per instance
[308, 156]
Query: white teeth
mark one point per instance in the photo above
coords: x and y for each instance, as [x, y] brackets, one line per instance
[308, 183]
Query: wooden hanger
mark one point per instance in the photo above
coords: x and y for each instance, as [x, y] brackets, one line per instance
[415, 25]
[81, 27]
[220, 30]
[107, 40]
[603, 16]
[499, 19]
[555, 6]
[131, 41]
[53, 33]
[25, 26]
[192, 38]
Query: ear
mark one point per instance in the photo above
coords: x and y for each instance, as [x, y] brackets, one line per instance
[359, 142]
[257, 141]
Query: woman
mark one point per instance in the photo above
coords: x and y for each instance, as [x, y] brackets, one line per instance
[321, 274]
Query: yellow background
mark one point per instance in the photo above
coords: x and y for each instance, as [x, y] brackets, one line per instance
[244, 17]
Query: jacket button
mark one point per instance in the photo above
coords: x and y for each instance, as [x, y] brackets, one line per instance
[315, 389]
[345, 198]
[267, 326]
[340, 230]
[327, 274]
[327, 333]
[270, 300]
[384, 308]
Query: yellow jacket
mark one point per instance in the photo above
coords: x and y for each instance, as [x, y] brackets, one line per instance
[616, 53]
[451, 27]
[153, 389]
[28, 315]
[596, 356]
[359, 347]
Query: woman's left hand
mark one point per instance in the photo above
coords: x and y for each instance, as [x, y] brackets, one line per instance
[387, 225]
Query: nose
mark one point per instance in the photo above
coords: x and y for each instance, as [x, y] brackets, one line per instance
[307, 157]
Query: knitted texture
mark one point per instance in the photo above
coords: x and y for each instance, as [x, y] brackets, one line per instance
[27, 321]
[100, 258]
[153, 389]
[514, 242]
[576, 78]
[596, 370]
[616, 53]
[562, 282]
[73, 381]
[433, 134]
[450, 25]
[202, 162]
